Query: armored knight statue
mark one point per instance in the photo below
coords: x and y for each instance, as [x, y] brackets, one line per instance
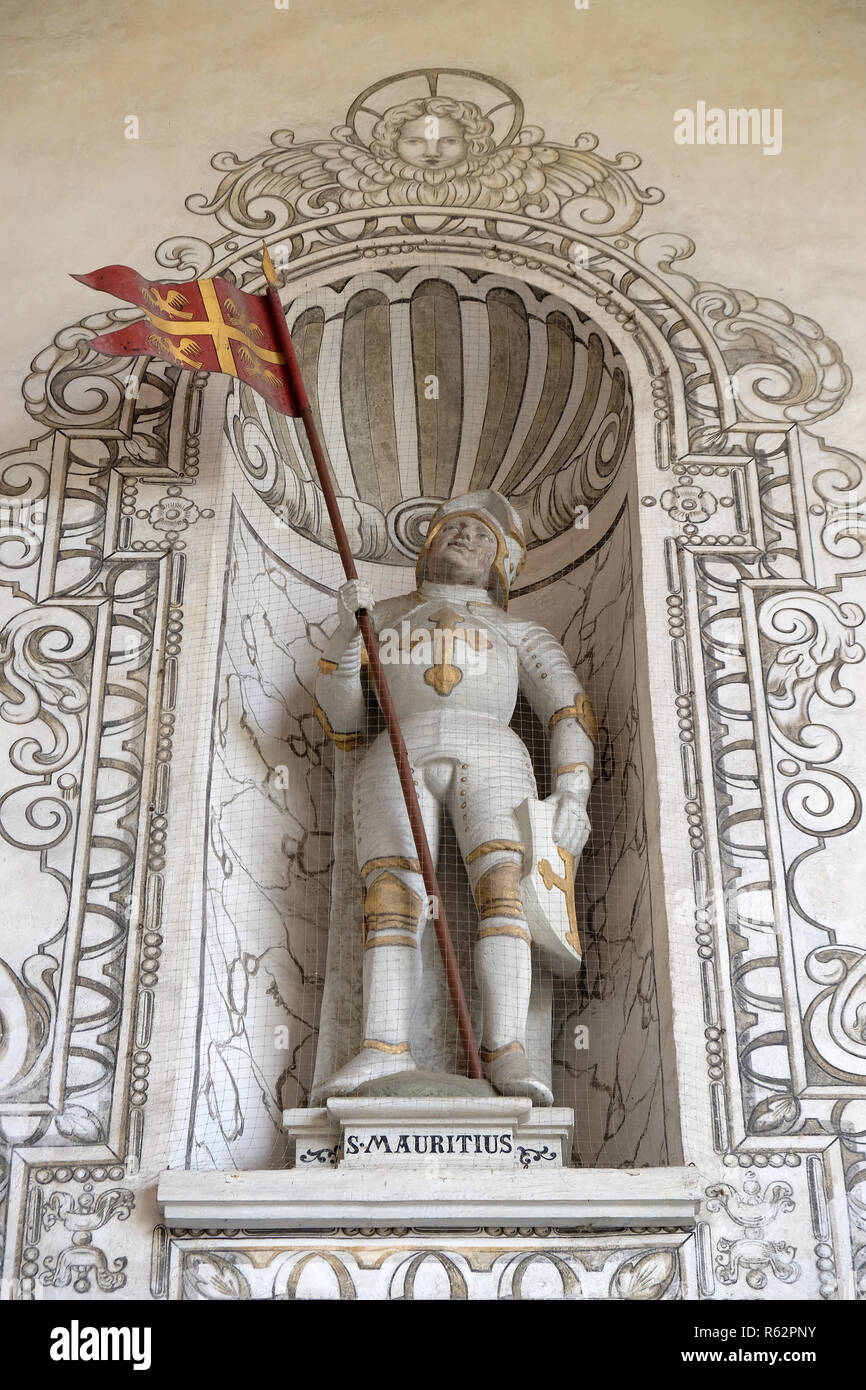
[455, 661]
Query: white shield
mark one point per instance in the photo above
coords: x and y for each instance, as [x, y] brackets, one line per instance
[547, 887]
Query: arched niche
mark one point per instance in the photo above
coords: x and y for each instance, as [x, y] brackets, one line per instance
[533, 397]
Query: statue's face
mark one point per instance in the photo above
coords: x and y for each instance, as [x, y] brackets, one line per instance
[461, 552]
[417, 146]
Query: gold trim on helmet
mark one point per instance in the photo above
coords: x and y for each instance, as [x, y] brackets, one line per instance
[498, 565]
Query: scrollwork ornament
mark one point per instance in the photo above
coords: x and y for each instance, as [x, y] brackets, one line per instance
[376, 167]
[71, 385]
[28, 1008]
[38, 684]
[843, 494]
[799, 375]
[835, 1021]
[751, 1253]
[83, 1215]
[189, 255]
[814, 637]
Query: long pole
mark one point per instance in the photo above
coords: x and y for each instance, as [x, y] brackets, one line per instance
[365, 622]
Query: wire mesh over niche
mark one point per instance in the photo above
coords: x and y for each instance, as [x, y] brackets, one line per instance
[549, 424]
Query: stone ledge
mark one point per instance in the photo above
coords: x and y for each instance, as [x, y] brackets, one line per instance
[427, 1198]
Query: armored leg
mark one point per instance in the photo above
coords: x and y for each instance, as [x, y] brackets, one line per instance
[504, 968]
[395, 914]
[494, 780]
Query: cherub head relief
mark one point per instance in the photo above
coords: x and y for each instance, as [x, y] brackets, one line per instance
[432, 134]
[437, 152]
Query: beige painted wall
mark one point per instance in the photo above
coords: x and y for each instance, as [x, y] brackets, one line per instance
[209, 75]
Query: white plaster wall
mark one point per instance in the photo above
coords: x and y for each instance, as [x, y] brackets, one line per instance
[214, 75]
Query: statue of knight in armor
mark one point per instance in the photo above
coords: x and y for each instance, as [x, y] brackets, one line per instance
[455, 661]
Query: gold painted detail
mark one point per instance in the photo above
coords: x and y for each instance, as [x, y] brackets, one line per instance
[171, 303]
[581, 711]
[185, 351]
[328, 667]
[252, 366]
[378, 939]
[236, 315]
[565, 882]
[573, 767]
[491, 847]
[505, 930]
[391, 861]
[391, 906]
[215, 326]
[488, 1056]
[497, 893]
[345, 742]
[393, 1049]
[444, 675]
[498, 563]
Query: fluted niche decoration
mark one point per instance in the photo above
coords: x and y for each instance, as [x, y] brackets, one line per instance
[429, 384]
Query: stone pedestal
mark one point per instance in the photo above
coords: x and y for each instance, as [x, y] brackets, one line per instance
[439, 1135]
[430, 1164]
[399, 1198]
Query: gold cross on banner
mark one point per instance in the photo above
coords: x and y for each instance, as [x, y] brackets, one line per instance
[237, 329]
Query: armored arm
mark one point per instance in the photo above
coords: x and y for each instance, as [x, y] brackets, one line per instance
[560, 702]
[340, 703]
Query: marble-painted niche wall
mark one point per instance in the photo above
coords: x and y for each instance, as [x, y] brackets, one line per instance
[531, 396]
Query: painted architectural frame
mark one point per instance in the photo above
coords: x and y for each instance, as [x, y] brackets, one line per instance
[748, 530]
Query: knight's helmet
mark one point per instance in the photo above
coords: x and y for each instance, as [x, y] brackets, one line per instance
[497, 513]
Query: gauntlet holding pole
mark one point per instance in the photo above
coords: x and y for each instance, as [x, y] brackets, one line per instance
[365, 622]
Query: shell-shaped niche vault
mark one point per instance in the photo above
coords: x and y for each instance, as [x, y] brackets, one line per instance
[426, 383]
[429, 383]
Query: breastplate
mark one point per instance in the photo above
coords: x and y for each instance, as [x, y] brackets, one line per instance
[443, 657]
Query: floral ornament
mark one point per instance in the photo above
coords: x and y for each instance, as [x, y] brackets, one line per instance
[688, 502]
[173, 514]
[645, 1277]
[83, 1261]
[213, 1276]
[752, 1253]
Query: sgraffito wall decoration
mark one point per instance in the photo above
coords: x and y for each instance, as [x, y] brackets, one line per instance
[168, 575]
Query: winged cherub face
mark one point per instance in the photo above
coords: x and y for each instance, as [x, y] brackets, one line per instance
[432, 142]
[461, 552]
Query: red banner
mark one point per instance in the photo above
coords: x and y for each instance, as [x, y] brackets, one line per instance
[202, 325]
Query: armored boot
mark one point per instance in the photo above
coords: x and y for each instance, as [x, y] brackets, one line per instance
[393, 917]
[504, 966]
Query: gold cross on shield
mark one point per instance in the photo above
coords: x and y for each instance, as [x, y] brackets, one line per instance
[565, 882]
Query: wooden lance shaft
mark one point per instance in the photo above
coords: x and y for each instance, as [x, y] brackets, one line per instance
[365, 622]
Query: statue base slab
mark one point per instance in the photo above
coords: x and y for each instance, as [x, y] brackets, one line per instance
[436, 1163]
[322, 1198]
[436, 1133]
